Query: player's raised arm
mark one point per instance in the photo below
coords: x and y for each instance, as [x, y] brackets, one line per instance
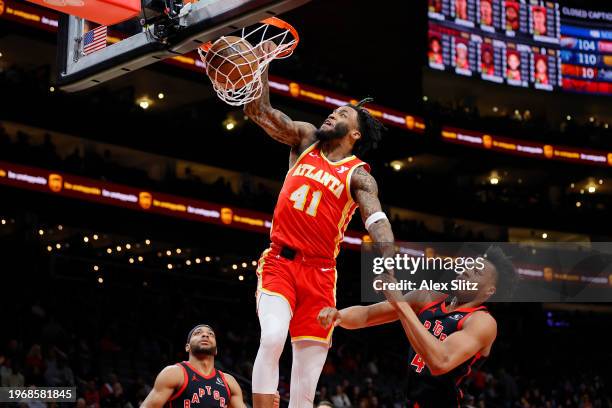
[365, 190]
[359, 317]
[478, 333]
[167, 382]
[278, 125]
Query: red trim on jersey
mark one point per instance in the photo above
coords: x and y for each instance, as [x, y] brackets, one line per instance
[474, 359]
[229, 393]
[431, 304]
[212, 373]
[182, 388]
[462, 309]
[464, 318]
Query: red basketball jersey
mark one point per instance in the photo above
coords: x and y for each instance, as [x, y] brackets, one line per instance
[315, 204]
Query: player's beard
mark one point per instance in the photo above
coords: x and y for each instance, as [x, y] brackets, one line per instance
[337, 132]
[198, 350]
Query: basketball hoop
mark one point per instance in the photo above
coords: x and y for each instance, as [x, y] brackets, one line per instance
[245, 85]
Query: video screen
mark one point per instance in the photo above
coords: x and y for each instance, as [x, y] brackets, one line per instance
[533, 44]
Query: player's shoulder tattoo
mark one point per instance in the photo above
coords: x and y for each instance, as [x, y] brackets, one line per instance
[362, 180]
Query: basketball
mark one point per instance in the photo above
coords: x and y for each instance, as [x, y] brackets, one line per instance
[231, 62]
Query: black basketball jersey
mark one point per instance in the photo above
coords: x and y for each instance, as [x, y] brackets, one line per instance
[200, 391]
[444, 390]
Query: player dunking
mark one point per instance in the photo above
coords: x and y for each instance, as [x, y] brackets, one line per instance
[297, 277]
[196, 383]
[449, 334]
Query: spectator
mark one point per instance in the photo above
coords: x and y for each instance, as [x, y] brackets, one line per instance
[340, 399]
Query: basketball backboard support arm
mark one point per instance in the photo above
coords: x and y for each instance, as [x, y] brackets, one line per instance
[200, 22]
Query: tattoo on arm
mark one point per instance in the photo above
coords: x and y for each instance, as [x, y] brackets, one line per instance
[277, 124]
[365, 191]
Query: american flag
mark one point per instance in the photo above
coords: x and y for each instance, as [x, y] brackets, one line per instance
[94, 40]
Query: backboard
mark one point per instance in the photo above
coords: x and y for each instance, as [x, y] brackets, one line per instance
[164, 29]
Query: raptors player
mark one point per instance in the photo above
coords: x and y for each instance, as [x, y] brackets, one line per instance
[196, 383]
[449, 334]
[325, 184]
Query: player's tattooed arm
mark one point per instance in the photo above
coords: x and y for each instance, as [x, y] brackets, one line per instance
[365, 191]
[298, 135]
[167, 381]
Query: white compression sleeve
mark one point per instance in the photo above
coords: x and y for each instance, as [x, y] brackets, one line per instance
[308, 360]
[274, 317]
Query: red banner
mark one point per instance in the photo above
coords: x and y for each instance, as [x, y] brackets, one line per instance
[528, 149]
[118, 195]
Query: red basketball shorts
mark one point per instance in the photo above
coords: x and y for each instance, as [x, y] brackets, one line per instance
[308, 285]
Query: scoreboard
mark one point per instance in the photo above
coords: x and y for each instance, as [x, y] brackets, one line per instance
[534, 44]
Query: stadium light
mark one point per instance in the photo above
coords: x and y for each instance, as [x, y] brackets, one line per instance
[568, 117]
[140, 259]
[600, 181]
[95, 237]
[178, 250]
[144, 103]
[131, 260]
[128, 246]
[49, 248]
[396, 165]
[494, 180]
[240, 278]
[161, 95]
[188, 262]
[96, 268]
[85, 239]
[207, 259]
[168, 252]
[544, 235]
[234, 266]
[100, 280]
[148, 241]
[578, 204]
[592, 189]
[58, 246]
[51, 89]
[244, 264]
[170, 266]
[119, 248]
[41, 232]
[3, 221]
[198, 260]
[0, 55]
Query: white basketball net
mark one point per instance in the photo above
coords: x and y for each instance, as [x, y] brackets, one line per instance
[242, 83]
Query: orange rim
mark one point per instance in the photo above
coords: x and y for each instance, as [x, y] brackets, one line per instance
[273, 21]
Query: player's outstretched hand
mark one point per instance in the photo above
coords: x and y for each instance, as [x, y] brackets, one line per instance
[265, 48]
[276, 400]
[393, 295]
[328, 316]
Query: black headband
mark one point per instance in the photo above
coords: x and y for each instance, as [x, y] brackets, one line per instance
[195, 328]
